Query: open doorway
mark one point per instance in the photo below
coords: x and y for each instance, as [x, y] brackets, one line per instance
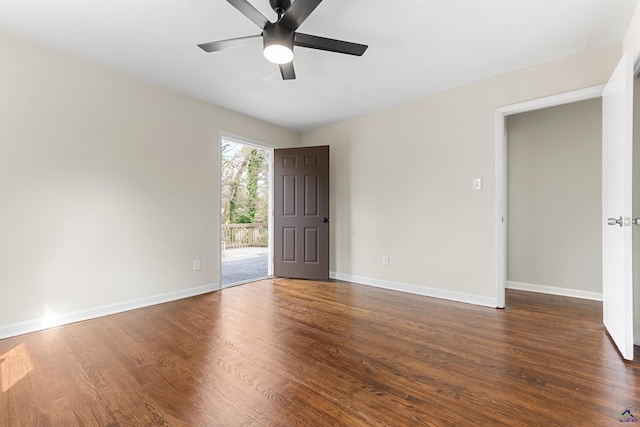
[555, 200]
[501, 151]
[245, 206]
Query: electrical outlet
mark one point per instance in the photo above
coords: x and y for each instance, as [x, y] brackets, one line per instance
[196, 264]
[385, 260]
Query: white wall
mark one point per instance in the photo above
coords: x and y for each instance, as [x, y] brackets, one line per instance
[401, 182]
[632, 37]
[555, 198]
[108, 186]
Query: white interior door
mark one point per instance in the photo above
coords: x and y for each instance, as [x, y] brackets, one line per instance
[617, 177]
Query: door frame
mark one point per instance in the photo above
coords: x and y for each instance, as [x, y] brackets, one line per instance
[222, 135]
[501, 170]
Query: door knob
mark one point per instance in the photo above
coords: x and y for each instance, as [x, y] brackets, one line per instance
[325, 219]
[635, 221]
[614, 221]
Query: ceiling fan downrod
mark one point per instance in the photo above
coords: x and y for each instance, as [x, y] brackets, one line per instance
[280, 6]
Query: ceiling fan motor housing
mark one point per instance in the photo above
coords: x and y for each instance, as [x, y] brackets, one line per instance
[278, 34]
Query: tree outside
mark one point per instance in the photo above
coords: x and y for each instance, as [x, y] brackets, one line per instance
[245, 184]
[244, 212]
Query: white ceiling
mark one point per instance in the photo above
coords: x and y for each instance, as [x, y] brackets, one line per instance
[417, 48]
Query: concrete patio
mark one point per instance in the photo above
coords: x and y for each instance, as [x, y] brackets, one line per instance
[243, 265]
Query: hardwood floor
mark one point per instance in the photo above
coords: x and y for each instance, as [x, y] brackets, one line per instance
[301, 353]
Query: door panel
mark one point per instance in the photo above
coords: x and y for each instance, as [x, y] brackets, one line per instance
[311, 249]
[617, 176]
[311, 195]
[289, 192]
[301, 202]
[288, 244]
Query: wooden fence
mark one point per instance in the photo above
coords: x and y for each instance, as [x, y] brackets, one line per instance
[245, 235]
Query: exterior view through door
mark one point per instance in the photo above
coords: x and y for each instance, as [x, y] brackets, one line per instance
[301, 213]
[245, 205]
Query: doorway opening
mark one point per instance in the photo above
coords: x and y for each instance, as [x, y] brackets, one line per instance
[555, 200]
[245, 211]
[501, 170]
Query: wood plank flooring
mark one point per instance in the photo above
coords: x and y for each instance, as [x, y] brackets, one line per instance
[302, 353]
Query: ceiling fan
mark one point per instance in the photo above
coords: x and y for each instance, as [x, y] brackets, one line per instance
[279, 37]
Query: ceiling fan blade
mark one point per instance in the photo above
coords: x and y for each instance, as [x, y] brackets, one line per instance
[287, 71]
[298, 12]
[250, 12]
[331, 45]
[230, 43]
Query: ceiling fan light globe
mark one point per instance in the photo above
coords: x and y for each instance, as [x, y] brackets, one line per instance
[278, 54]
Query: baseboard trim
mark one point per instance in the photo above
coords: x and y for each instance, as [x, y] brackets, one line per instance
[418, 290]
[35, 325]
[552, 290]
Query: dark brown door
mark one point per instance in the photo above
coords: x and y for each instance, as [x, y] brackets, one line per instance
[301, 213]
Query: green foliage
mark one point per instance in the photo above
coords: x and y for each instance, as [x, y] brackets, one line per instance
[244, 184]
